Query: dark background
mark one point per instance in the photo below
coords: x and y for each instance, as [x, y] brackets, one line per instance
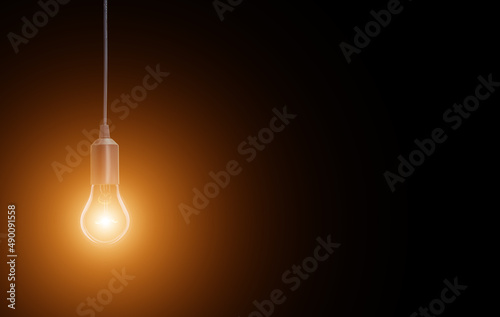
[323, 175]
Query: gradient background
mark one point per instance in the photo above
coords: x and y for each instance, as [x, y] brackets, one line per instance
[322, 175]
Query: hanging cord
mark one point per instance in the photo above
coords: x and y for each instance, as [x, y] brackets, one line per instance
[105, 106]
[104, 130]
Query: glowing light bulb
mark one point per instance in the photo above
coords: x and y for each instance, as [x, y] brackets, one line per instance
[105, 219]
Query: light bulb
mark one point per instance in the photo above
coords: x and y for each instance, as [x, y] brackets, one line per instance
[105, 219]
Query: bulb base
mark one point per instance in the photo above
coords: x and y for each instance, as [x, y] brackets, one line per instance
[104, 161]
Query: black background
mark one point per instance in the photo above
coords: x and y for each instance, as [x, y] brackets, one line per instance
[323, 175]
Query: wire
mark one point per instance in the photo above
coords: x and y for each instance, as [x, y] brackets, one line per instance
[105, 106]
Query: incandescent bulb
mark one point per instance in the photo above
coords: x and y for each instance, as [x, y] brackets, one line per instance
[105, 219]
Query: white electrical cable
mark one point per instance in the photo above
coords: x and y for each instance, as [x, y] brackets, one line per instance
[105, 106]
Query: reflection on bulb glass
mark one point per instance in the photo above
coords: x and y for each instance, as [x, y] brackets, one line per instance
[105, 218]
